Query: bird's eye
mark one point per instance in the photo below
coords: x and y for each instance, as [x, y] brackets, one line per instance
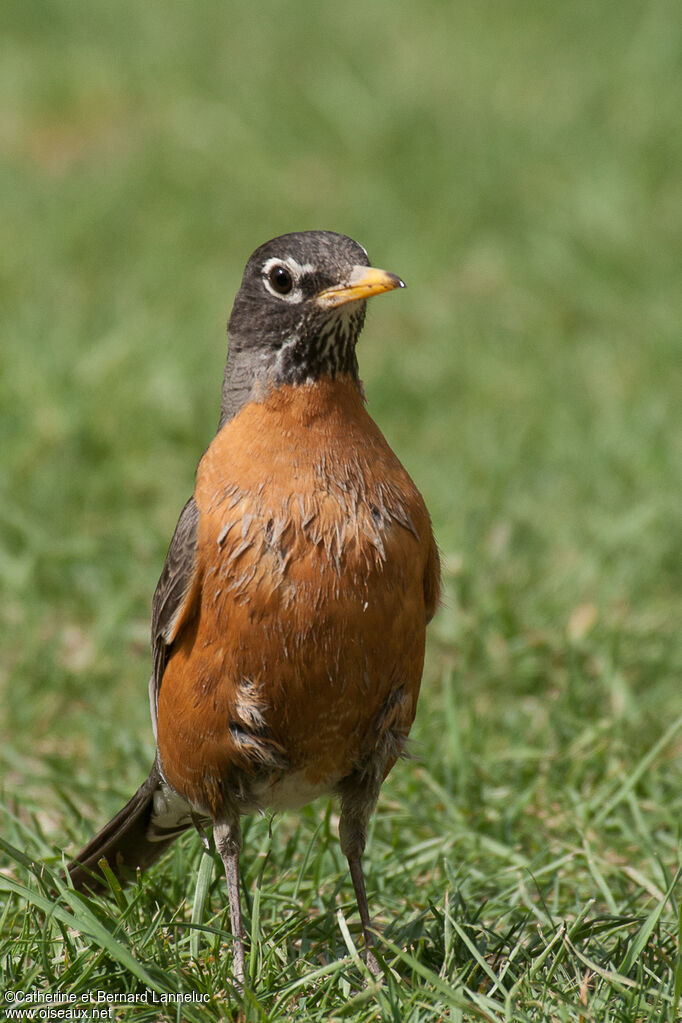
[281, 280]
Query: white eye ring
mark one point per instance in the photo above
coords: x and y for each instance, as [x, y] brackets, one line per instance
[281, 279]
[285, 266]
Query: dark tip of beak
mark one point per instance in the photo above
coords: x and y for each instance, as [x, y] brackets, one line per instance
[395, 281]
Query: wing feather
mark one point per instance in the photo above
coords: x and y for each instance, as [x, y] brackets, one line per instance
[175, 596]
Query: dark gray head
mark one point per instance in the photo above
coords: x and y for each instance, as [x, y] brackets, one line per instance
[298, 314]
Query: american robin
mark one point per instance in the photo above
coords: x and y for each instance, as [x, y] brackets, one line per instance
[288, 624]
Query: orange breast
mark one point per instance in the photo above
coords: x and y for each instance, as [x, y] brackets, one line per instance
[307, 635]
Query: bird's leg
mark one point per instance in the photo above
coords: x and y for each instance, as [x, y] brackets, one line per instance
[355, 864]
[358, 799]
[228, 840]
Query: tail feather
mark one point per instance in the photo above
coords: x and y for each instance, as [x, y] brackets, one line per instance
[135, 837]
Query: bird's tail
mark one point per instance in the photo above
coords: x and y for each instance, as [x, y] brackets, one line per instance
[135, 837]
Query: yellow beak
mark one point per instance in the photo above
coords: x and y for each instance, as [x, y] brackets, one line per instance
[364, 282]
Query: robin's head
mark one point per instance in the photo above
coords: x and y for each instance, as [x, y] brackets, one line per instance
[298, 313]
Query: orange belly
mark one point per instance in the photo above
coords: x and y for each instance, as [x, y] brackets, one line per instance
[305, 641]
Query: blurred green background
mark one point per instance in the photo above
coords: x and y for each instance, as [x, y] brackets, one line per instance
[520, 166]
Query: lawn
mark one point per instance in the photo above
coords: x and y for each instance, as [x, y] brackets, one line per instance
[519, 166]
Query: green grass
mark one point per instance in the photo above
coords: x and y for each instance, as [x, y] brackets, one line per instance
[519, 165]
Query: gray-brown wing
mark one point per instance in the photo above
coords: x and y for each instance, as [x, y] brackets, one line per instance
[174, 591]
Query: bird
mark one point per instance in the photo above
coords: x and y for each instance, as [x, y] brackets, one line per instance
[288, 624]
